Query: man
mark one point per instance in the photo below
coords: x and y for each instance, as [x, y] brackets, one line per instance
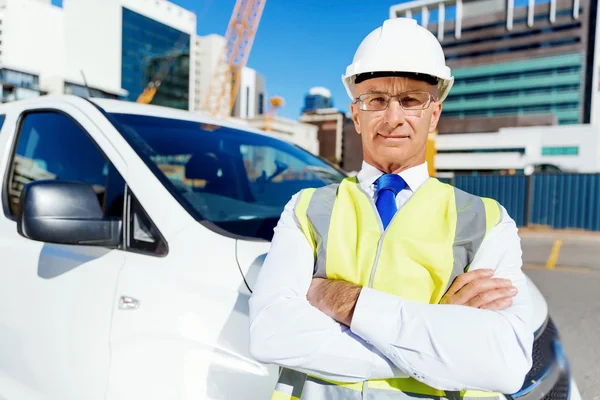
[394, 285]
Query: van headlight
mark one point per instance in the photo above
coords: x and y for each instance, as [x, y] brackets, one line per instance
[548, 378]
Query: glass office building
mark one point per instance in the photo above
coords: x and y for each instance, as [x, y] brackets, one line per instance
[314, 102]
[151, 51]
[549, 85]
[521, 63]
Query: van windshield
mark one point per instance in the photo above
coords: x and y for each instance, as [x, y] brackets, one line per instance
[234, 180]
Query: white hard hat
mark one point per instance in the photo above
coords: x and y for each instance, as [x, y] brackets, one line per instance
[402, 46]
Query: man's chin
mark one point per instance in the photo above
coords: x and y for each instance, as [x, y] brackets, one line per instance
[393, 150]
[392, 154]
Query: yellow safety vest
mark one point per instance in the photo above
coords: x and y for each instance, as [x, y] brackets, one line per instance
[430, 241]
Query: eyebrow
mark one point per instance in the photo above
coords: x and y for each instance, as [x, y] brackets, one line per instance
[371, 89]
[374, 91]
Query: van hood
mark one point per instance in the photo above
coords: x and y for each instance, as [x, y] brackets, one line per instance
[251, 255]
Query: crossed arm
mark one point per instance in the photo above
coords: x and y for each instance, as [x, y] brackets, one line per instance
[351, 334]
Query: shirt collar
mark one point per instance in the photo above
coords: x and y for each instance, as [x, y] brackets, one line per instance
[414, 176]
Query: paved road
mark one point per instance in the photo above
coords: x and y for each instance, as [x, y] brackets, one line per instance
[572, 290]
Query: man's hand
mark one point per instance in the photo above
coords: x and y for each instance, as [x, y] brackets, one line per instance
[336, 299]
[478, 289]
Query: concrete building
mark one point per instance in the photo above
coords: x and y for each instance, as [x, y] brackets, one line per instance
[208, 50]
[352, 150]
[115, 46]
[338, 141]
[572, 148]
[330, 123]
[250, 101]
[301, 134]
[31, 47]
[534, 61]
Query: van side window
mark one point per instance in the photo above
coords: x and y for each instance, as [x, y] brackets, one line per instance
[52, 146]
[2, 118]
[143, 235]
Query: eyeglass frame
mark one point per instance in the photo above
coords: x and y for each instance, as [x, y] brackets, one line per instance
[430, 100]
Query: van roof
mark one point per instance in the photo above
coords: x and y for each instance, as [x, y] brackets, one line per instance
[128, 107]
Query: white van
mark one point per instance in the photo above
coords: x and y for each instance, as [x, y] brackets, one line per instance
[130, 239]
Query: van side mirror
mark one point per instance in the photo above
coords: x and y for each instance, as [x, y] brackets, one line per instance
[66, 213]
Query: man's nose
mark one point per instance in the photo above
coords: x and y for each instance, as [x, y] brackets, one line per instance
[395, 115]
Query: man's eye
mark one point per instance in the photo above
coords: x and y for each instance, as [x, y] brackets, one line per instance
[377, 100]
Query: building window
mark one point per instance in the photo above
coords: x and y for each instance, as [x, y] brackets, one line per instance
[560, 151]
[537, 107]
[507, 93]
[476, 96]
[20, 79]
[261, 103]
[476, 79]
[154, 51]
[451, 114]
[247, 101]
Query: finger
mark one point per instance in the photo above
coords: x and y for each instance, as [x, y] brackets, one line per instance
[474, 288]
[499, 304]
[491, 296]
[468, 277]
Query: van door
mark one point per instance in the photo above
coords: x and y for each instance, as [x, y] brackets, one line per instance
[56, 301]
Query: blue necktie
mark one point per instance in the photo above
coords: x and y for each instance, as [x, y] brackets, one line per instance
[388, 186]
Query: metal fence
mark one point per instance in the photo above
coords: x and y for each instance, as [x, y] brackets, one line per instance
[555, 200]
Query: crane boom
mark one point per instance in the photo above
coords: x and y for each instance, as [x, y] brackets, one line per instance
[239, 38]
[168, 60]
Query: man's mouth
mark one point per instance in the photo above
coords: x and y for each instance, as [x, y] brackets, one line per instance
[395, 138]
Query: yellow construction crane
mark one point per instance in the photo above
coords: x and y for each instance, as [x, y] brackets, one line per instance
[167, 62]
[148, 94]
[239, 38]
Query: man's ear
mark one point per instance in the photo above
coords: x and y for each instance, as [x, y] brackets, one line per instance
[354, 109]
[435, 116]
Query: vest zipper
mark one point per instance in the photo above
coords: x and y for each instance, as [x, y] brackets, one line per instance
[381, 230]
[374, 268]
[366, 383]
[382, 233]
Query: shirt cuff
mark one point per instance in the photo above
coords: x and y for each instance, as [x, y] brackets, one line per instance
[376, 317]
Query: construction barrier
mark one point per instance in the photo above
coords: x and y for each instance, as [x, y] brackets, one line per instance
[558, 201]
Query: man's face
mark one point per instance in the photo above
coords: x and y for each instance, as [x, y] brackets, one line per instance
[395, 138]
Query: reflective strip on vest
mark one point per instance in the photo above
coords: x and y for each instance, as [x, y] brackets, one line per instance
[301, 217]
[471, 228]
[435, 237]
[289, 386]
[318, 213]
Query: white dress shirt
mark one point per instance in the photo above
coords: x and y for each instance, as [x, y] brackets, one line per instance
[447, 347]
